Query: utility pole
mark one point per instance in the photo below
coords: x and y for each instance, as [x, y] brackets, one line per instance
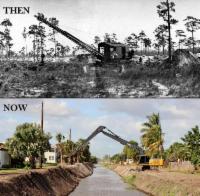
[70, 135]
[42, 130]
[42, 118]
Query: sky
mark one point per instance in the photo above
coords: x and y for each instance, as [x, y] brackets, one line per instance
[123, 116]
[87, 18]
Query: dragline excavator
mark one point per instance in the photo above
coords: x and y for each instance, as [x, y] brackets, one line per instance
[144, 161]
[107, 51]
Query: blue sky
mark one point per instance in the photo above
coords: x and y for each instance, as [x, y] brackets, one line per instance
[123, 116]
[87, 18]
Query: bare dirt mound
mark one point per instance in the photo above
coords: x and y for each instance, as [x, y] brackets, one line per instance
[183, 58]
[52, 182]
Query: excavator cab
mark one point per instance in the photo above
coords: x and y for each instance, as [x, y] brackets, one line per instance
[145, 162]
[107, 51]
[113, 51]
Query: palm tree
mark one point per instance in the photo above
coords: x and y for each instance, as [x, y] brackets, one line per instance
[147, 44]
[165, 10]
[152, 138]
[132, 41]
[60, 138]
[68, 147]
[6, 23]
[192, 25]
[84, 155]
[41, 39]
[142, 36]
[192, 142]
[161, 37]
[55, 22]
[157, 47]
[181, 35]
[33, 31]
[24, 34]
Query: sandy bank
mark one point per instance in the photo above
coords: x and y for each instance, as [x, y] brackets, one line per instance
[52, 182]
[162, 183]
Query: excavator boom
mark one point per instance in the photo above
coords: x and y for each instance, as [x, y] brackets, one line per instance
[85, 46]
[107, 132]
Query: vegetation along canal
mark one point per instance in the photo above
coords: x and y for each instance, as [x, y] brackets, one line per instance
[104, 182]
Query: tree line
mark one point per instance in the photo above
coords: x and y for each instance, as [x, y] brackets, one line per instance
[141, 43]
[28, 144]
[152, 143]
[163, 33]
[39, 36]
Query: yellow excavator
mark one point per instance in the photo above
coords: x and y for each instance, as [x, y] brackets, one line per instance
[144, 162]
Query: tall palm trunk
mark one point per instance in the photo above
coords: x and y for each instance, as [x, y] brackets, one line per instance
[169, 31]
[34, 47]
[193, 43]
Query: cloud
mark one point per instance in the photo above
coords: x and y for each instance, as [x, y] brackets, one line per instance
[54, 108]
[124, 117]
[7, 128]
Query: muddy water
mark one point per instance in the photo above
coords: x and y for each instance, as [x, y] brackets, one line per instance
[104, 182]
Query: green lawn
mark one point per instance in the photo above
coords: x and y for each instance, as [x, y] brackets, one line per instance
[23, 170]
[12, 171]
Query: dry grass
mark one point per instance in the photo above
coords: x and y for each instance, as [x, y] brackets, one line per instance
[161, 183]
[59, 80]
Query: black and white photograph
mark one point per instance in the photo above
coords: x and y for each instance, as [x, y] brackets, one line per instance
[99, 49]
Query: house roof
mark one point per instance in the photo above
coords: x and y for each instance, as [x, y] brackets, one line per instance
[2, 147]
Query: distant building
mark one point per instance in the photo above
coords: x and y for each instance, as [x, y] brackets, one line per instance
[51, 156]
[4, 156]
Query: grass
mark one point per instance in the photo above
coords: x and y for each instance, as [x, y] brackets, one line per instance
[129, 180]
[4, 171]
[12, 171]
[50, 165]
[60, 79]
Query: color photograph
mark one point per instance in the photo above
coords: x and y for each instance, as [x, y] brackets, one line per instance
[100, 147]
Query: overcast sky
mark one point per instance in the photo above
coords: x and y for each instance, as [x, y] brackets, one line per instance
[122, 116]
[87, 18]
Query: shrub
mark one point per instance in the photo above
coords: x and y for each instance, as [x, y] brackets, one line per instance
[6, 166]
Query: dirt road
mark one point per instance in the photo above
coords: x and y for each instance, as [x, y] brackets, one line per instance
[104, 182]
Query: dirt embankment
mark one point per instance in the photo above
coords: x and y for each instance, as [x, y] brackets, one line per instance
[52, 182]
[162, 183]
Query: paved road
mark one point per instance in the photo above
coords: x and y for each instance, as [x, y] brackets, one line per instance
[104, 182]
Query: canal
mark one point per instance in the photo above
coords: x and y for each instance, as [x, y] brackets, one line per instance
[104, 182]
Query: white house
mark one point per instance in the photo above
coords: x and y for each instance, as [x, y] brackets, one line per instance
[4, 156]
[51, 156]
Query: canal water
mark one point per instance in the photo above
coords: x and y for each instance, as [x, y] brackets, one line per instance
[104, 182]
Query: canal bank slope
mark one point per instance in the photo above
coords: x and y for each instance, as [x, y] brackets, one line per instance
[52, 182]
[160, 183]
